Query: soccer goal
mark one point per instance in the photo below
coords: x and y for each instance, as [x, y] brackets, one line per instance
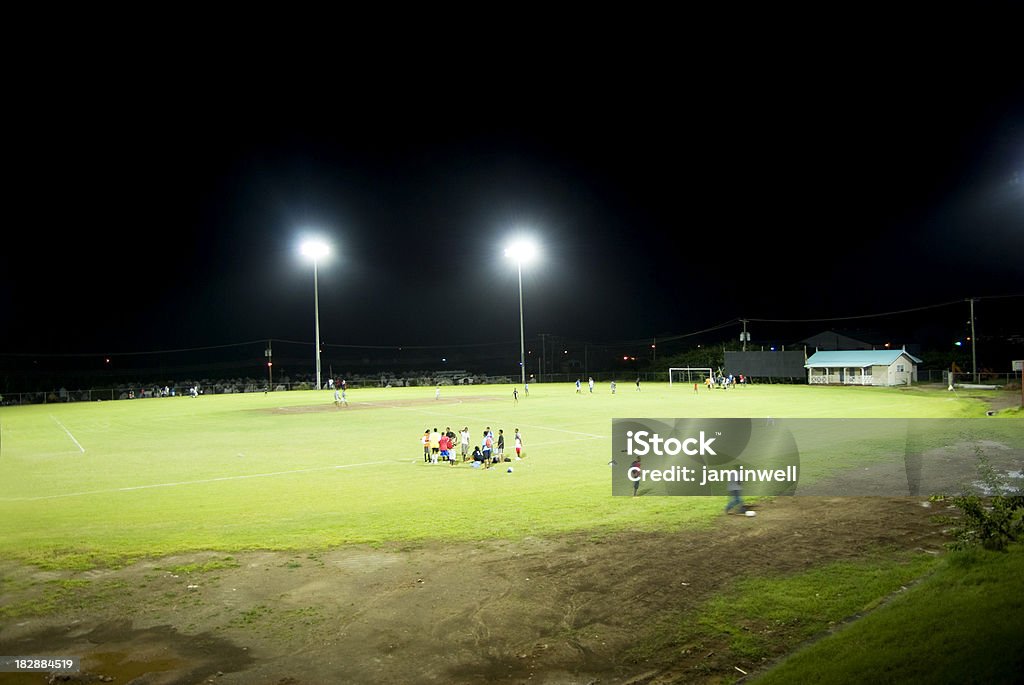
[688, 374]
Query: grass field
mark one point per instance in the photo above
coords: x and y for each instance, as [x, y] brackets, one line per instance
[963, 624]
[206, 488]
[113, 480]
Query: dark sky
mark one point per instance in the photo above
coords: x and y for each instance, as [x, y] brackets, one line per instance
[668, 192]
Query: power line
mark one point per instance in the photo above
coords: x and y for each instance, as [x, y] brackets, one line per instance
[421, 347]
[133, 354]
[879, 314]
[856, 316]
[261, 341]
[661, 338]
[669, 338]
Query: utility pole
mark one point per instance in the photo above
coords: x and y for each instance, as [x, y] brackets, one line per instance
[974, 349]
[269, 354]
[744, 336]
[543, 356]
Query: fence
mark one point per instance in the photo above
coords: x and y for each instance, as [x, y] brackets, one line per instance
[422, 379]
[988, 378]
[248, 385]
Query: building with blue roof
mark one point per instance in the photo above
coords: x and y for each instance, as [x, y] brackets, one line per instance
[862, 367]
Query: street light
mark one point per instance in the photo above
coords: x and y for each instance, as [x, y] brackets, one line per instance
[521, 250]
[316, 250]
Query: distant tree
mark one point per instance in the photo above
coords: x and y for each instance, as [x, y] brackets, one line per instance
[944, 359]
[712, 356]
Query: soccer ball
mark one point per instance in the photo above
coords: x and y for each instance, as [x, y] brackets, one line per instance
[509, 470]
[751, 513]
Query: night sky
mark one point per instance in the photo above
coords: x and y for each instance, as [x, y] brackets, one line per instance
[667, 193]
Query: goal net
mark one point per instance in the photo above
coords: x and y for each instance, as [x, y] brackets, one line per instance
[688, 374]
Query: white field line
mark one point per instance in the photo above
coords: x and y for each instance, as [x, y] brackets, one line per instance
[477, 418]
[187, 482]
[47, 455]
[64, 428]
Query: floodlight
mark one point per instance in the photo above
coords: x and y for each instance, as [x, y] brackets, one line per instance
[315, 249]
[522, 250]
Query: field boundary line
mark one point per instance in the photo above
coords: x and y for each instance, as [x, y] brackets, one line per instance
[131, 488]
[64, 428]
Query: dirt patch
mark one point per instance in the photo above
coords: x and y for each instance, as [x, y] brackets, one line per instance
[1005, 399]
[554, 611]
[386, 404]
[116, 651]
[940, 471]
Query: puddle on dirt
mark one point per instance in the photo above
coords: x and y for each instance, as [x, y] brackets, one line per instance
[118, 653]
[108, 667]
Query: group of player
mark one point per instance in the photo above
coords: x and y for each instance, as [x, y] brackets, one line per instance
[722, 381]
[447, 446]
[590, 385]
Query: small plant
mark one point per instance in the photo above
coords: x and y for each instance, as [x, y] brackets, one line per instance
[993, 521]
[213, 565]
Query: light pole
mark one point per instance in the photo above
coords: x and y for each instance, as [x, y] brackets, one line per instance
[316, 250]
[974, 349]
[521, 251]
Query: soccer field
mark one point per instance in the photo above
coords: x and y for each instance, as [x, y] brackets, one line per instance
[278, 538]
[82, 484]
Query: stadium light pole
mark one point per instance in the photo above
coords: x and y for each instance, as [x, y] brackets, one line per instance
[521, 251]
[316, 250]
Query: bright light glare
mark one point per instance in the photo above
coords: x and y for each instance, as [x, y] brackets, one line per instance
[522, 250]
[315, 249]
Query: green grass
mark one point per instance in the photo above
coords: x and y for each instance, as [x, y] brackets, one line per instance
[963, 624]
[102, 483]
[205, 567]
[757, 616]
[60, 595]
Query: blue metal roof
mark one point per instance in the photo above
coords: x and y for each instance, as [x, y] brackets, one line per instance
[857, 358]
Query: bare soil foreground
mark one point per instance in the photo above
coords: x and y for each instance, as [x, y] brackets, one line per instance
[551, 611]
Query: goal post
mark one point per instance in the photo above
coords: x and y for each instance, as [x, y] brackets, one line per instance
[689, 374]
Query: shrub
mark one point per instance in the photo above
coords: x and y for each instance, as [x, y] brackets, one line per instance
[993, 521]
